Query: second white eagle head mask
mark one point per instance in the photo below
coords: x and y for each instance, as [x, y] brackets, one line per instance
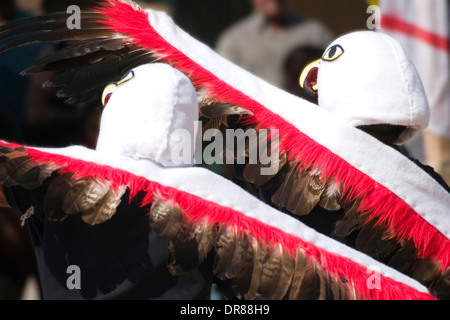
[148, 113]
[366, 78]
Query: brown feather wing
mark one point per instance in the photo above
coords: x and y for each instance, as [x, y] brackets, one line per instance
[17, 168]
[104, 207]
[66, 194]
[95, 56]
[374, 240]
[255, 268]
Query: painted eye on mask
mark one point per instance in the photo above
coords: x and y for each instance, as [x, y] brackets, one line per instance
[107, 93]
[109, 89]
[333, 53]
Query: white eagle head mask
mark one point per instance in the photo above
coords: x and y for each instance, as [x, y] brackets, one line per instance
[148, 113]
[367, 79]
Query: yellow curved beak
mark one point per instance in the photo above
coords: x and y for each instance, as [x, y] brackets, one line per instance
[308, 77]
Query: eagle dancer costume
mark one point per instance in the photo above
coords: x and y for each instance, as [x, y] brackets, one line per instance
[262, 251]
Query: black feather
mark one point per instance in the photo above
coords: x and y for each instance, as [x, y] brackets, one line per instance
[241, 283]
[183, 250]
[372, 242]
[47, 26]
[31, 22]
[73, 63]
[404, 258]
[56, 36]
[16, 168]
[281, 196]
[78, 50]
[440, 287]
[34, 177]
[102, 73]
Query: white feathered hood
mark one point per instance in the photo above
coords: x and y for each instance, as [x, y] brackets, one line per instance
[151, 111]
[372, 81]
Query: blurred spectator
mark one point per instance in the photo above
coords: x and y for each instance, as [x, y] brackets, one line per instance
[261, 42]
[295, 62]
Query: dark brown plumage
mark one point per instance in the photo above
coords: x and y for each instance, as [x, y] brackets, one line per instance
[253, 173]
[231, 248]
[96, 201]
[105, 207]
[95, 56]
[189, 242]
[17, 168]
[301, 190]
[183, 250]
[255, 268]
[352, 221]
[165, 218]
[374, 241]
[83, 195]
[215, 115]
[277, 274]
[215, 110]
[54, 197]
[281, 196]
[440, 287]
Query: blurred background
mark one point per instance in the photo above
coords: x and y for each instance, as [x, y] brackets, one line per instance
[274, 39]
[207, 19]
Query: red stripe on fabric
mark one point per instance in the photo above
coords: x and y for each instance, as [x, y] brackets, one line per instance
[399, 25]
[200, 209]
[379, 203]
